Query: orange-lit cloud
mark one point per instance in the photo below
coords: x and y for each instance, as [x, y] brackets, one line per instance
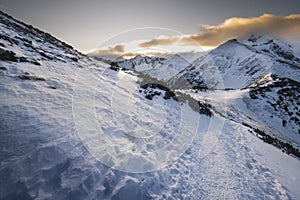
[267, 24]
[118, 49]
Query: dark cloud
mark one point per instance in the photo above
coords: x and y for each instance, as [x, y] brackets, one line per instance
[267, 24]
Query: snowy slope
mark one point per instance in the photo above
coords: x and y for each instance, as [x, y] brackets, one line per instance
[53, 103]
[268, 113]
[276, 103]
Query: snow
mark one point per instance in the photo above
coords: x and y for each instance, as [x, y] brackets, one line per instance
[86, 132]
[222, 165]
[132, 129]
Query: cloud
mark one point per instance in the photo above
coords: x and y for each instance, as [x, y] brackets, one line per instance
[159, 42]
[118, 49]
[267, 24]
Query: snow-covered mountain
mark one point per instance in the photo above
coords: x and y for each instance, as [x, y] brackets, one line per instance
[71, 128]
[162, 68]
[239, 63]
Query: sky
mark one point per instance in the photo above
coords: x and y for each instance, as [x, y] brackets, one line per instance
[91, 23]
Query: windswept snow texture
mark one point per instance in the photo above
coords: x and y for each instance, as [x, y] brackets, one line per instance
[43, 157]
